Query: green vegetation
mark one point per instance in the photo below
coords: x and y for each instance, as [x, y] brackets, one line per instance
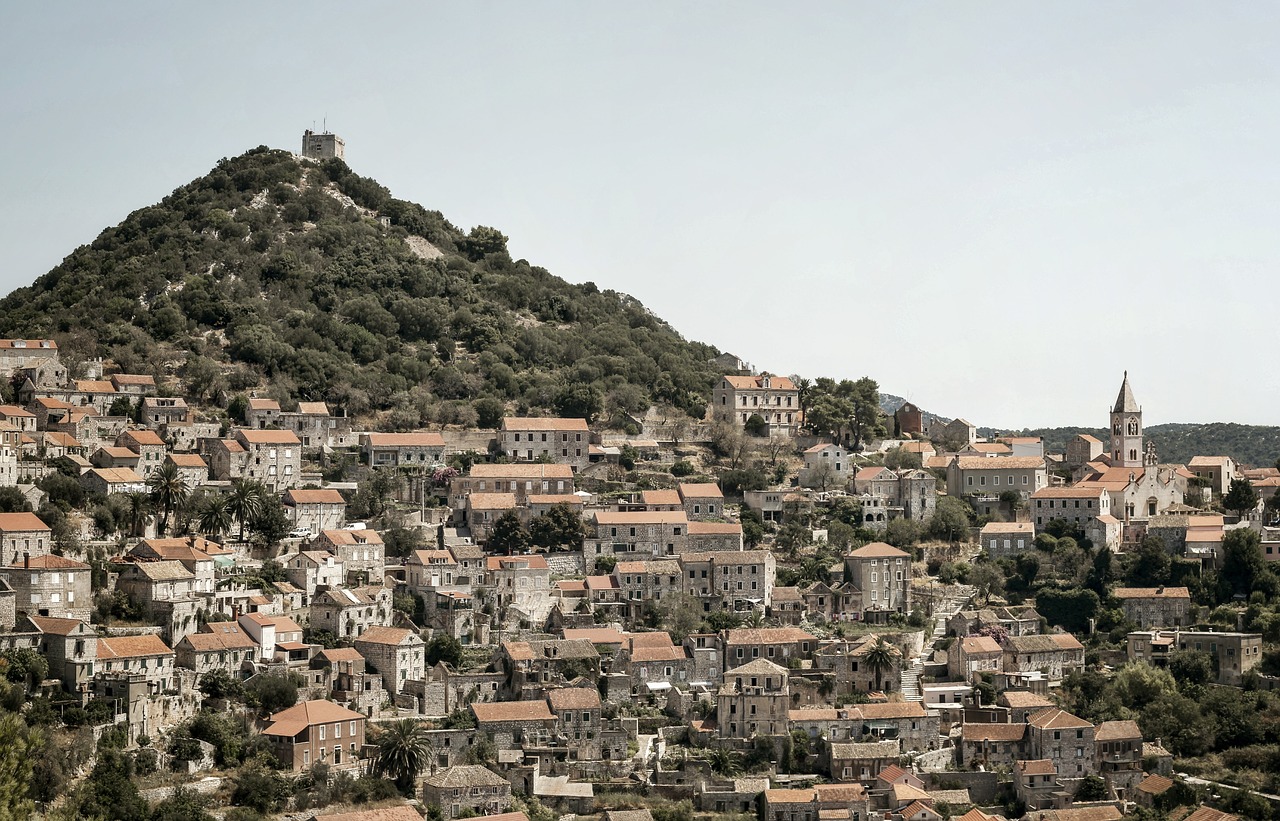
[1178, 442]
[319, 300]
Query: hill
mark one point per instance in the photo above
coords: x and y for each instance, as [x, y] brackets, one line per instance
[1257, 445]
[309, 282]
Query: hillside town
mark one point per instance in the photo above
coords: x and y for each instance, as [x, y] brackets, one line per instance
[293, 612]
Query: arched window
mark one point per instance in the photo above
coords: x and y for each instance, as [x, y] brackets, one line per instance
[1133, 427]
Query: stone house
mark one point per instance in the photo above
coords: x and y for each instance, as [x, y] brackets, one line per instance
[1078, 504]
[846, 661]
[134, 384]
[1036, 783]
[159, 411]
[398, 654]
[1082, 449]
[49, 585]
[656, 667]
[578, 720]
[1064, 739]
[753, 699]
[831, 802]
[23, 534]
[523, 480]
[484, 509]
[971, 656]
[511, 724]
[526, 439]
[421, 449]
[432, 570]
[71, 648]
[1155, 607]
[1216, 471]
[980, 475]
[730, 580]
[1235, 653]
[991, 745]
[274, 457]
[228, 459]
[860, 761]
[650, 533]
[1007, 539]
[701, 501]
[216, 646]
[146, 654]
[315, 510]
[349, 612]
[781, 645]
[537, 666]
[1119, 754]
[643, 583]
[262, 413]
[361, 551]
[775, 399]
[195, 553]
[1055, 656]
[150, 448]
[316, 732]
[114, 456]
[109, 481]
[881, 573]
[707, 536]
[313, 569]
[787, 606]
[470, 787]
[315, 426]
[191, 467]
[515, 579]
[959, 430]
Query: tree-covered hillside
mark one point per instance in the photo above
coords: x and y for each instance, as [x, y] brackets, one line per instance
[313, 283]
[1257, 445]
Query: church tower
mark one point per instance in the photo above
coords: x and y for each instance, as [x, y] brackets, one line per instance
[1126, 429]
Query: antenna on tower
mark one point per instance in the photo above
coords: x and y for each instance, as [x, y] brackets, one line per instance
[325, 121]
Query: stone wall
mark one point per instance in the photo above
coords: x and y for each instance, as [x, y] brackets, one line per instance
[982, 787]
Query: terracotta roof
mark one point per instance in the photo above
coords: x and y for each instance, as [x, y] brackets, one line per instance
[760, 667]
[1055, 719]
[748, 383]
[29, 344]
[121, 647]
[1040, 766]
[1152, 593]
[1023, 699]
[402, 812]
[658, 653]
[1117, 731]
[314, 497]
[1042, 643]
[999, 462]
[974, 731]
[143, 436]
[393, 636]
[523, 423]
[187, 460]
[531, 561]
[423, 439]
[642, 517]
[879, 550]
[352, 537]
[714, 529]
[595, 635]
[1154, 784]
[119, 452]
[1007, 527]
[660, 497]
[341, 654]
[491, 501]
[767, 635]
[208, 642]
[49, 562]
[21, 522]
[264, 404]
[268, 437]
[777, 796]
[55, 627]
[1084, 490]
[133, 379]
[118, 476]
[521, 471]
[294, 720]
[313, 409]
[164, 571]
[511, 711]
[700, 490]
[891, 709]
[574, 698]
[980, 644]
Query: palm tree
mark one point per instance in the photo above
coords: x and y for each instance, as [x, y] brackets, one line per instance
[725, 762]
[244, 501]
[139, 510]
[880, 658]
[168, 490]
[404, 748]
[215, 516]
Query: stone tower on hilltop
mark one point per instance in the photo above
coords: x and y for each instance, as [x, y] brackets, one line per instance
[1126, 429]
[323, 146]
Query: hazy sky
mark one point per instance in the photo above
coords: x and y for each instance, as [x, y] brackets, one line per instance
[991, 208]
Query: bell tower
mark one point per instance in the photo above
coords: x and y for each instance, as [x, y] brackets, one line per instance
[1126, 429]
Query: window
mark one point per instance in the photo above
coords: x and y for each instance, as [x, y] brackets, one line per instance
[323, 728]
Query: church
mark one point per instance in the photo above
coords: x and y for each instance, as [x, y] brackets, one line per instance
[1138, 485]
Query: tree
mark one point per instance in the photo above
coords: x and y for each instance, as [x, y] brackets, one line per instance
[899, 459]
[756, 426]
[244, 501]
[446, 648]
[214, 516]
[899, 532]
[18, 747]
[109, 792]
[25, 666]
[402, 752]
[1092, 788]
[752, 527]
[269, 523]
[725, 762]
[168, 490]
[987, 577]
[1150, 565]
[260, 789]
[950, 519]
[12, 501]
[274, 691]
[1192, 668]
[139, 509]
[679, 614]
[218, 683]
[1242, 560]
[579, 402]
[880, 658]
[559, 527]
[183, 805]
[792, 537]
[1241, 497]
[508, 535]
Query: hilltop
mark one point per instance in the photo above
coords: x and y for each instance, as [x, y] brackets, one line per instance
[309, 282]
[1176, 442]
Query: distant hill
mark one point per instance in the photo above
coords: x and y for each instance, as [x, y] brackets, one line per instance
[1257, 445]
[306, 281]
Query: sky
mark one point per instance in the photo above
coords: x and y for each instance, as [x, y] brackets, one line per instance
[994, 209]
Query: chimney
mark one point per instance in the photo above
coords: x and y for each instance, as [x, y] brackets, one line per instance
[26, 560]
